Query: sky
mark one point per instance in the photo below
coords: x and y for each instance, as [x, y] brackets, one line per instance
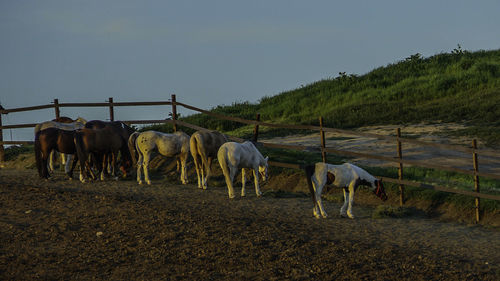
[214, 52]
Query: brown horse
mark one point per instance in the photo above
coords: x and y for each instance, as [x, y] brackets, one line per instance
[51, 139]
[101, 143]
[204, 146]
[124, 131]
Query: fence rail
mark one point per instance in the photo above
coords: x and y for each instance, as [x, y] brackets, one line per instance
[323, 149]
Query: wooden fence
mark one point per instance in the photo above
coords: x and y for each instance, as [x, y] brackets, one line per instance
[322, 148]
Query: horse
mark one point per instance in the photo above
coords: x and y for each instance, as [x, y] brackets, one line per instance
[346, 176]
[124, 131]
[102, 143]
[170, 145]
[233, 156]
[51, 139]
[204, 146]
[63, 123]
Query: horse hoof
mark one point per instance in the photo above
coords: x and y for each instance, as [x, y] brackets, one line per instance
[139, 182]
[231, 196]
[149, 183]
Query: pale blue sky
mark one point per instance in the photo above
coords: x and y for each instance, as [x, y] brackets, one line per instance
[212, 52]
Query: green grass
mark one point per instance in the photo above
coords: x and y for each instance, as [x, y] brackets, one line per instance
[460, 86]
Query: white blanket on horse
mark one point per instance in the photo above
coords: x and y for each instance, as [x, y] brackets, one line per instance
[78, 124]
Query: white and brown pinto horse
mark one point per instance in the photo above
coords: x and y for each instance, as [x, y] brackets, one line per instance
[170, 145]
[233, 156]
[204, 146]
[346, 176]
[65, 124]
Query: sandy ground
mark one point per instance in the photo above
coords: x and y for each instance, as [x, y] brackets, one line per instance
[117, 230]
[424, 132]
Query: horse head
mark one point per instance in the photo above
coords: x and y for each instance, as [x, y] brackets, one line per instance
[263, 170]
[379, 190]
[80, 120]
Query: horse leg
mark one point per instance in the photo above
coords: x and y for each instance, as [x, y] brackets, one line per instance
[343, 210]
[63, 161]
[145, 166]
[67, 163]
[256, 180]
[51, 158]
[183, 159]
[351, 200]
[318, 189]
[104, 165]
[139, 167]
[243, 182]
[229, 181]
[70, 171]
[197, 166]
[208, 166]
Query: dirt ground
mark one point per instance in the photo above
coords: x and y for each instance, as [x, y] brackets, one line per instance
[117, 230]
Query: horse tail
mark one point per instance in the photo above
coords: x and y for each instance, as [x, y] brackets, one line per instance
[131, 146]
[80, 150]
[309, 169]
[194, 145]
[222, 158]
[38, 154]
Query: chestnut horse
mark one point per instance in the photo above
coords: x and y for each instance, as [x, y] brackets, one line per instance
[101, 143]
[51, 139]
[124, 131]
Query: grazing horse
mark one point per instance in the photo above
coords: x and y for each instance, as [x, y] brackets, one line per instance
[51, 139]
[63, 123]
[346, 176]
[170, 145]
[124, 131]
[204, 146]
[101, 143]
[233, 156]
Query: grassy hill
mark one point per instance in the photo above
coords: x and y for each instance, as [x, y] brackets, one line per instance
[460, 86]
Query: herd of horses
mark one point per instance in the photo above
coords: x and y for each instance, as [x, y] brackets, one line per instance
[100, 147]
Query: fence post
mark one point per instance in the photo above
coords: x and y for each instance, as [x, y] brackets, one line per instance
[111, 111]
[56, 108]
[174, 112]
[2, 151]
[400, 168]
[323, 143]
[256, 128]
[476, 178]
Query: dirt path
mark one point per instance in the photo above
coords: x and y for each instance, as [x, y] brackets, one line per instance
[117, 230]
[425, 132]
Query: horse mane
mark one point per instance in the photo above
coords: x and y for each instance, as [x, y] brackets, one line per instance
[310, 169]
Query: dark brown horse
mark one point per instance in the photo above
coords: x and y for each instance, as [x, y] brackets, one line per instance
[124, 131]
[101, 143]
[51, 139]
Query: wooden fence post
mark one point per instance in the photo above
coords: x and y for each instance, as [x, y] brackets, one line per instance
[2, 151]
[111, 111]
[323, 143]
[476, 178]
[174, 112]
[56, 108]
[256, 128]
[400, 168]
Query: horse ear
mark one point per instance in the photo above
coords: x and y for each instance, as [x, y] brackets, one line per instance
[267, 158]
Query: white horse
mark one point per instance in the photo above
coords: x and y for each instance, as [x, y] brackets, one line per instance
[233, 156]
[72, 126]
[204, 147]
[346, 176]
[170, 145]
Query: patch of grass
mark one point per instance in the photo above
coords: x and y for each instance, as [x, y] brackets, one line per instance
[385, 211]
[14, 151]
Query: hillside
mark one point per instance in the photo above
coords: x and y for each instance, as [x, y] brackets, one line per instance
[460, 86]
